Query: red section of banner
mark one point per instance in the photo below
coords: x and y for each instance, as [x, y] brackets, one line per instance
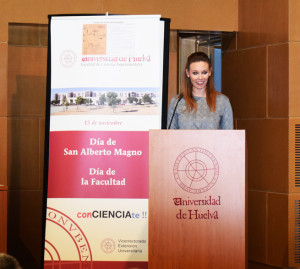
[98, 164]
[94, 265]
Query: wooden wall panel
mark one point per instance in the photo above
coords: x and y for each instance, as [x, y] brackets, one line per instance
[215, 15]
[3, 219]
[4, 19]
[244, 81]
[41, 151]
[229, 42]
[73, 7]
[294, 20]
[193, 15]
[23, 153]
[173, 65]
[264, 26]
[257, 230]
[277, 229]
[3, 79]
[3, 150]
[26, 34]
[31, 11]
[255, 265]
[294, 79]
[26, 87]
[278, 82]
[262, 22]
[27, 81]
[25, 227]
[267, 143]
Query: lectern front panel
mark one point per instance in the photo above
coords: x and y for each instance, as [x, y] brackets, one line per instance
[197, 199]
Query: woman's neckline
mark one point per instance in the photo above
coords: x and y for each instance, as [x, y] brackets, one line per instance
[199, 97]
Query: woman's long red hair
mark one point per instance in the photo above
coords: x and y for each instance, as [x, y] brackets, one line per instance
[187, 88]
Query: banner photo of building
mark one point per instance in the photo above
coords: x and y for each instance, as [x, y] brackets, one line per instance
[105, 91]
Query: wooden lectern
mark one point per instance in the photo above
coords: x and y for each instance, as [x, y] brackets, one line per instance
[197, 205]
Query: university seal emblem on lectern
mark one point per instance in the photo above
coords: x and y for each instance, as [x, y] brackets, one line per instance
[196, 170]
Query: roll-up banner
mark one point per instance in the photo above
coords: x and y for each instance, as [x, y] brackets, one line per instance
[106, 89]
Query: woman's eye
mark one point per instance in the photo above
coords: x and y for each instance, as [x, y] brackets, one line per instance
[195, 73]
[204, 73]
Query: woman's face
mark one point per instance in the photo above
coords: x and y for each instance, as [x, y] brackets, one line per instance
[199, 74]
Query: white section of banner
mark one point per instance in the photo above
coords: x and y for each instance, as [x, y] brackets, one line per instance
[128, 54]
[116, 56]
[109, 123]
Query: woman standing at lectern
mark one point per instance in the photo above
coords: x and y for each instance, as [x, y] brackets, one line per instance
[199, 106]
